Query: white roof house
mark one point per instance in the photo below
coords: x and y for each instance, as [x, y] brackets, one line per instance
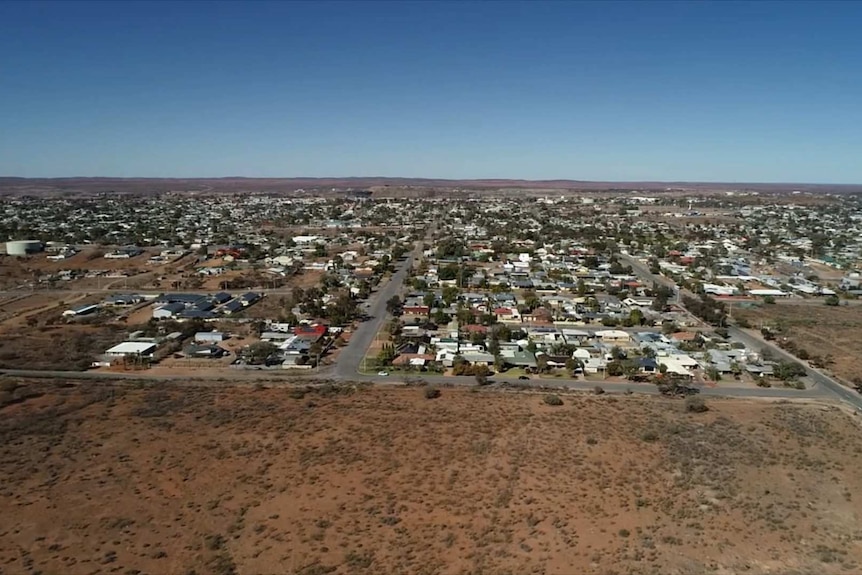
[610, 335]
[132, 348]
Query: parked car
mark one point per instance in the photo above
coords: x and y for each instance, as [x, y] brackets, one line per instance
[523, 377]
[383, 373]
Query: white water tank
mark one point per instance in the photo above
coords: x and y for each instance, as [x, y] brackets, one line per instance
[23, 247]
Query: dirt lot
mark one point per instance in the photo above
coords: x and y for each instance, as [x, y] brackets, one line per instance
[819, 329]
[263, 481]
[69, 347]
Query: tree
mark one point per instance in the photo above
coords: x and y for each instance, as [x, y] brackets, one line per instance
[429, 299]
[788, 370]
[259, 352]
[394, 305]
[614, 368]
[450, 294]
[542, 363]
[617, 352]
[386, 354]
[441, 317]
[832, 300]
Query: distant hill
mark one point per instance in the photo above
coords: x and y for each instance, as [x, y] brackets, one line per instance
[88, 185]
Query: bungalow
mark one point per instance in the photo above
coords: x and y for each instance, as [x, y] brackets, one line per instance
[195, 313]
[123, 299]
[613, 336]
[204, 351]
[478, 358]
[249, 298]
[183, 298]
[231, 307]
[415, 311]
[648, 365]
[313, 332]
[685, 336]
[168, 310]
[638, 302]
[518, 358]
[413, 359]
[673, 365]
[507, 315]
[595, 364]
[221, 297]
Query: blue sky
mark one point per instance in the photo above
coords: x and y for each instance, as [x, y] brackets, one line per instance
[760, 91]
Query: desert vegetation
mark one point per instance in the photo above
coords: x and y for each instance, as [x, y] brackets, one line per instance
[348, 479]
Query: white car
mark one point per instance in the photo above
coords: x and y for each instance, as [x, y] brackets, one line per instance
[383, 373]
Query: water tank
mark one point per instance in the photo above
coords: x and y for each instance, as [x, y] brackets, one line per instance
[23, 247]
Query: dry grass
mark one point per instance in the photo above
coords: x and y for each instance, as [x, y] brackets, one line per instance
[371, 481]
[821, 330]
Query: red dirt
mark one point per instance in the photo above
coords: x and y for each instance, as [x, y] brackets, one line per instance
[239, 480]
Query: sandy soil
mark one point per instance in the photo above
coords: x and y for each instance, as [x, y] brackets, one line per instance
[819, 329]
[368, 481]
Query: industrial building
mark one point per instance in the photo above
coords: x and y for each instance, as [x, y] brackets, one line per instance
[23, 247]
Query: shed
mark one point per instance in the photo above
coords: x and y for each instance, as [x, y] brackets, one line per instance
[81, 310]
[142, 348]
[210, 336]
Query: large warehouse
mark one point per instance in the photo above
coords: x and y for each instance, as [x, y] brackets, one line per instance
[23, 247]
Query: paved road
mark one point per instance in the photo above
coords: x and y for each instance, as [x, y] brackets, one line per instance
[350, 357]
[823, 381]
[824, 385]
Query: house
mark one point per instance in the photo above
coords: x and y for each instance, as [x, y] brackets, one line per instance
[516, 357]
[205, 351]
[648, 365]
[615, 336]
[595, 364]
[415, 311]
[478, 358]
[507, 315]
[312, 332]
[132, 348]
[249, 298]
[183, 298]
[168, 310]
[123, 299]
[232, 307]
[685, 336]
[221, 297]
[412, 359]
[194, 313]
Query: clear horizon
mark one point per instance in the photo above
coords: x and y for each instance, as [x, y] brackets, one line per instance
[704, 92]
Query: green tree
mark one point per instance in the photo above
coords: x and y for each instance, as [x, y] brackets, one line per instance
[394, 305]
[450, 294]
